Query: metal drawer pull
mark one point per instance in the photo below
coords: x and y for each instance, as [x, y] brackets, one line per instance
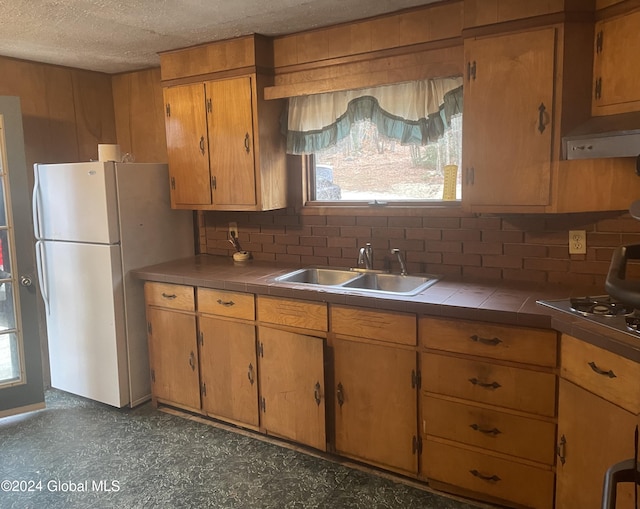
[247, 141]
[316, 393]
[192, 361]
[560, 449]
[494, 431]
[484, 385]
[250, 374]
[486, 341]
[596, 369]
[202, 145]
[226, 303]
[169, 296]
[541, 114]
[340, 394]
[488, 478]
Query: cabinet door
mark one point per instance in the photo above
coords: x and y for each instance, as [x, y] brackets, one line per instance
[173, 357]
[376, 405]
[508, 101]
[615, 73]
[231, 141]
[593, 434]
[228, 370]
[292, 386]
[187, 145]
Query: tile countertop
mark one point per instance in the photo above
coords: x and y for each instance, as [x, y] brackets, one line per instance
[506, 302]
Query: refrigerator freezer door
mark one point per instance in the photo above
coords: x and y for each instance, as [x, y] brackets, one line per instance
[76, 202]
[85, 322]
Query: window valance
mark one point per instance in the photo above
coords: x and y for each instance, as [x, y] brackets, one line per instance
[416, 112]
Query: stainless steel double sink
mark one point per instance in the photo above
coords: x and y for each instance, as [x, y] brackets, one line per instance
[360, 280]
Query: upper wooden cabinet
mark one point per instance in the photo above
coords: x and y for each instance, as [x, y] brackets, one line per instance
[507, 128]
[524, 91]
[224, 145]
[615, 74]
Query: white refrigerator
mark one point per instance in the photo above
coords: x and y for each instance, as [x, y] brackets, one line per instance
[95, 222]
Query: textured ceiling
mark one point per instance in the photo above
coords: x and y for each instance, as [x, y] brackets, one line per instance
[115, 35]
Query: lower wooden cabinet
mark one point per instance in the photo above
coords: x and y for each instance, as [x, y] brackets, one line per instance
[498, 477]
[229, 370]
[598, 410]
[173, 358]
[292, 397]
[376, 404]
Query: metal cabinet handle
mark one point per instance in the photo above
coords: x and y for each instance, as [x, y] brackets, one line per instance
[560, 449]
[26, 280]
[250, 374]
[316, 393]
[485, 341]
[192, 361]
[226, 303]
[247, 142]
[485, 385]
[169, 296]
[202, 145]
[541, 114]
[596, 369]
[340, 394]
[477, 427]
[488, 478]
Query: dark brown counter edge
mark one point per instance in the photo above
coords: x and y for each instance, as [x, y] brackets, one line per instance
[505, 302]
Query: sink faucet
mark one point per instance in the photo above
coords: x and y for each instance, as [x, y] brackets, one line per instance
[365, 256]
[403, 265]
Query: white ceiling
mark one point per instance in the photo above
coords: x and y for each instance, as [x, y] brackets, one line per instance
[116, 35]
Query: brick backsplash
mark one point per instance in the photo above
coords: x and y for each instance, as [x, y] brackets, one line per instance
[448, 242]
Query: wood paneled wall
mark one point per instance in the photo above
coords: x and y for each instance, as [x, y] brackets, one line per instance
[66, 112]
[139, 110]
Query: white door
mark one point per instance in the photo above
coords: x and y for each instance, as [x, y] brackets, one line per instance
[76, 202]
[21, 384]
[81, 286]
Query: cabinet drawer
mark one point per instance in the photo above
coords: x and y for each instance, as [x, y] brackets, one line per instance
[490, 429]
[294, 313]
[496, 477]
[169, 296]
[505, 386]
[381, 325]
[606, 374]
[518, 344]
[224, 303]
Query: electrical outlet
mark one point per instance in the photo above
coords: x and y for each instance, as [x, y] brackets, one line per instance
[577, 242]
[233, 229]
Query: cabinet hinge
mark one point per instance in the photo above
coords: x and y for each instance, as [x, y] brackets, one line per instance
[208, 105]
[471, 70]
[201, 338]
[416, 379]
[153, 375]
[204, 389]
[416, 445]
[173, 183]
[598, 90]
[168, 109]
[260, 349]
[214, 183]
[149, 327]
[263, 405]
[599, 38]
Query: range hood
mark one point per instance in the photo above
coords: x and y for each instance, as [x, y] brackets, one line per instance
[607, 136]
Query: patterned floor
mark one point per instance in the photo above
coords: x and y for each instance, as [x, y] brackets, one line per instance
[82, 454]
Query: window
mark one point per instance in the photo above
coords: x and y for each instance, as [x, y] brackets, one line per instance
[367, 166]
[392, 143]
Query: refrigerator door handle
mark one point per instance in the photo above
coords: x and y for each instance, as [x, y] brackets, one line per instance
[41, 268]
[35, 202]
